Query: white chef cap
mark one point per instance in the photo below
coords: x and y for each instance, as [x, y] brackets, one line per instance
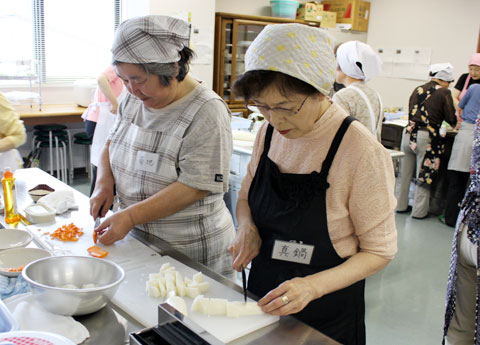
[442, 71]
[303, 52]
[150, 39]
[354, 53]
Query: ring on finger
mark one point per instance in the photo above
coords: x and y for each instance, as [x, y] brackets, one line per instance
[285, 299]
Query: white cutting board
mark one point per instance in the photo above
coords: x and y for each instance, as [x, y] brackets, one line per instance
[128, 253]
[133, 298]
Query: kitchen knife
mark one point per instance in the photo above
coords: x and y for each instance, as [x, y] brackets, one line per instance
[244, 283]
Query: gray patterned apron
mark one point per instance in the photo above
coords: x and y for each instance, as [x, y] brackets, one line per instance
[201, 231]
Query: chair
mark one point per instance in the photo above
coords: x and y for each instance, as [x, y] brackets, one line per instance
[56, 136]
[83, 139]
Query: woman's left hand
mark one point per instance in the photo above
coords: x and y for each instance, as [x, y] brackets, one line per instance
[115, 227]
[290, 297]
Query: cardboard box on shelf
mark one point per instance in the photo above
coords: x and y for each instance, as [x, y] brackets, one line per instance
[308, 11]
[327, 19]
[354, 12]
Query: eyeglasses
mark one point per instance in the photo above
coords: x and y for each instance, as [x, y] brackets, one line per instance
[278, 111]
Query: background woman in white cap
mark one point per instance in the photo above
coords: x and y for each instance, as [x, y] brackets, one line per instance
[459, 163]
[430, 104]
[315, 211]
[357, 63]
[169, 151]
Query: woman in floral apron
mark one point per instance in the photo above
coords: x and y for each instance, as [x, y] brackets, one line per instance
[315, 211]
[169, 151]
[430, 104]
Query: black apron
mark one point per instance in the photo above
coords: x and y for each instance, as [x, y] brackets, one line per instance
[292, 207]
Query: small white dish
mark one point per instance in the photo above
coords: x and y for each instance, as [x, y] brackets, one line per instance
[11, 238]
[16, 257]
[39, 213]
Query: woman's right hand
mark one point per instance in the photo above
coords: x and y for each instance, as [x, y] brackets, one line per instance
[102, 198]
[246, 246]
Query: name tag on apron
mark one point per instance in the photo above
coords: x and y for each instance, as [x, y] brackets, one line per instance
[292, 251]
[146, 161]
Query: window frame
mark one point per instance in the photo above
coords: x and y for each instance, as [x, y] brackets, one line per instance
[39, 54]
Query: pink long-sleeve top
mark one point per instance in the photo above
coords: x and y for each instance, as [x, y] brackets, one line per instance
[360, 200]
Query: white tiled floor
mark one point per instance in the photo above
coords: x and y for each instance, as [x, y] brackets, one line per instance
[405, 302]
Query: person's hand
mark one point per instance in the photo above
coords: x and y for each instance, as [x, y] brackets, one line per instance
[245, 247]
[114, 107]
[115, 227]
[101, 199]
[290, 297]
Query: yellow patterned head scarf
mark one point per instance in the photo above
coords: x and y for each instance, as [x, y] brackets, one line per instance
[303, 52]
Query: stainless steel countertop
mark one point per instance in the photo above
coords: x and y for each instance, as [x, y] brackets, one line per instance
[287, 331]
[111, 325]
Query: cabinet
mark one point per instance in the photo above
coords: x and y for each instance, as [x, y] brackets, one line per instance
[233, 35]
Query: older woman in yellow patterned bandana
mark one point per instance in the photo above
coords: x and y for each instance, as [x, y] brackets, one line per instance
[315, 211]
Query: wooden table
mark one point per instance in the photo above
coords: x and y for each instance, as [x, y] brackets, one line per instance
[50, 113]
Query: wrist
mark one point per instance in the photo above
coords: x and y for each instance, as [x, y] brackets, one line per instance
[130, 216]
[316, 285]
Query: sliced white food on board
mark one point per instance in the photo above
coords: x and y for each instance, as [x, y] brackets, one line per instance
[168, 280]
[198, 277]
[237, 308]
[217, 306]
[222, 307]
[192, 291]
[200, 304]
[178, 303]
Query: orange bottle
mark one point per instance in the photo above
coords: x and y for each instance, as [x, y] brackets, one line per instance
[10, 197]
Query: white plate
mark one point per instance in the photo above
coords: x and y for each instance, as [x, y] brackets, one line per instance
[15, 257]
[34, 338]
[14, 238]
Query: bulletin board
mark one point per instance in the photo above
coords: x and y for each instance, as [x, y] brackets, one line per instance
[405, 63]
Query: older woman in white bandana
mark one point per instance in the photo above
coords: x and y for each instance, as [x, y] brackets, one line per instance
[357, 64]
[430, 104]
[169, 152]
[315, 211]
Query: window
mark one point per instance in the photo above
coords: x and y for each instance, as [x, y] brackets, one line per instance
[16, 36]
[65, 39]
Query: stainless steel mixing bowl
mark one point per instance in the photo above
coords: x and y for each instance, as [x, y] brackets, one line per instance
[63, 284]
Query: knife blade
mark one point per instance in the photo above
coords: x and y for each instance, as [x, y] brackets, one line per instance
[97, 222]
[244, 284]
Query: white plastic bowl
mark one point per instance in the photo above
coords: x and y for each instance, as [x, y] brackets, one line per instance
[11, 238]
[16, 257]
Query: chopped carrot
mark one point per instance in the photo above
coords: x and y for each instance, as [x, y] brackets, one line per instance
[97, 252]
[16, 269]
[69, 232]
[95, 237]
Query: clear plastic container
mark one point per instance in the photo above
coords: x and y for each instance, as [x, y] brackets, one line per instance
[7, 322]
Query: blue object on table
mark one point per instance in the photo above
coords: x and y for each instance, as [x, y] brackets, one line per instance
[12, 286]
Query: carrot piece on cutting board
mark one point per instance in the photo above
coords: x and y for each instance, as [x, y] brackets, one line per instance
[95, 237]
[97, 252]
[69, 232]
